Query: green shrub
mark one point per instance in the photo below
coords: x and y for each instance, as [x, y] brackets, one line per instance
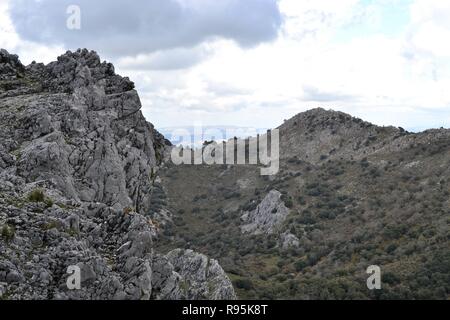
[36, 195]
[300, 265]
[390, 278]
[391, 248]
[8, 232]
[245, 284]
[287, 201]
[301, 200]
[395, 231]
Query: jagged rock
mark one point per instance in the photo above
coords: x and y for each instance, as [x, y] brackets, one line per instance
[10, 66]
[288, 240]
[2, 289]
[267, 217]
[77, 167]
[184, 274]
[14, 277]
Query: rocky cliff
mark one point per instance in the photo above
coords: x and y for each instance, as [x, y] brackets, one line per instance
[78, 164]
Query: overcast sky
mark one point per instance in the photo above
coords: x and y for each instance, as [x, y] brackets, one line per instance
[256, 62]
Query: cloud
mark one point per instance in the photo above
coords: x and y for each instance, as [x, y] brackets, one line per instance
[119, 28]
[257, 62]
[172, 59]
[220, 89]
[314, 94]
[430, 26]
[27, 50]
[318, 18]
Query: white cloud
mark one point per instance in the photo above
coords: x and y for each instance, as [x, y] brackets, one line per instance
[430, 27]
[27, 51]
[372, 76]
[172, 59]
[399, 79]
[121, 28]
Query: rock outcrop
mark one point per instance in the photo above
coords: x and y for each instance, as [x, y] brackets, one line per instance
[185, 274]
[268, 216]
[78, 163]
[288, 240]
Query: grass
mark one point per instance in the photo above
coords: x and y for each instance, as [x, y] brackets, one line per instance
[8, 232]
[37, 195]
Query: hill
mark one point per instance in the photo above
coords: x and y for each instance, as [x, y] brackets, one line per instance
[349, 194]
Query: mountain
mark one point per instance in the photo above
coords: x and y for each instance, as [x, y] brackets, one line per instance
[87, 182]
[78, 164]
[348, 195]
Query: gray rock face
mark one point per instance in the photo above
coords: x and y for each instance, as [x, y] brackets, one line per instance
[77, 168]
[84, 134]
[185, 274]
[10, 66]
[288, 240]
[267, 217]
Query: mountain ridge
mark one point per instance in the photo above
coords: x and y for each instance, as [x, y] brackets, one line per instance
[348, 195]
[78, 163]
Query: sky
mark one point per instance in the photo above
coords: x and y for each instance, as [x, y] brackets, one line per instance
[255, 63]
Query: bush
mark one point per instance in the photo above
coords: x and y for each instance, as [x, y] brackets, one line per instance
[36, 195]
[48, 202]
[395, 231]
[390, 278]
[301, 200]
[391, 248]
[287, 201]
[300, 265]
[306, 218]
[245, 284]
[8, 232]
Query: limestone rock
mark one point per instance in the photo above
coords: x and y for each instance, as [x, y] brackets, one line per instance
[192, 276]
[267, 217]
[288, 240]
[77, 168]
